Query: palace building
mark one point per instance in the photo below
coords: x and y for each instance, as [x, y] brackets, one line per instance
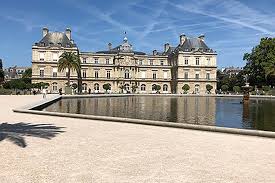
[191, 62]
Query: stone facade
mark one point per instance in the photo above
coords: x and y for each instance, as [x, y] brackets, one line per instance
[124, 69]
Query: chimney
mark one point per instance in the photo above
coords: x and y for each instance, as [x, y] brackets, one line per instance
[166, 47]
[45, 31]
[201, 37]
[182, 39]
[68, 33]
[109, 46]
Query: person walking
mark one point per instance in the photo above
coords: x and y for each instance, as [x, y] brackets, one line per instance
[44, 92]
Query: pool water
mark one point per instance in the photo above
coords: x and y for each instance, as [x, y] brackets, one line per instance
[216, 111]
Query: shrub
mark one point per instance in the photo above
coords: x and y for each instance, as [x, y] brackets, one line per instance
[224, 88]
[185, 88]
[237, 89]
[209, 87]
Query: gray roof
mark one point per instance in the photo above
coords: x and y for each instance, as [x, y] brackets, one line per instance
[56, 39]
[194, 44]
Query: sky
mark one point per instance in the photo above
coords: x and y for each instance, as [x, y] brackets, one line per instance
[231, 27]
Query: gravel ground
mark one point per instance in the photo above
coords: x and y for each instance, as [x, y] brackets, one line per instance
[35, 148]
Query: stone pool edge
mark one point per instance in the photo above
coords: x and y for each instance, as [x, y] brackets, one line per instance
[31, 110]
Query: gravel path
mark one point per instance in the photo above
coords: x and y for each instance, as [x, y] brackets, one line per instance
[35, 148]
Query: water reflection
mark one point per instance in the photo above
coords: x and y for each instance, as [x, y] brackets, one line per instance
[258, 114]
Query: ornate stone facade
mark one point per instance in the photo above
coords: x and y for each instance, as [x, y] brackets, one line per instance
[126, 70]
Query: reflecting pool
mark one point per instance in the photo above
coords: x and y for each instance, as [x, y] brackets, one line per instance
[225, 112]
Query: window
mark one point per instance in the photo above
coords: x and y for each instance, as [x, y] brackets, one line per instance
[197, 88]
[143, 74]
[107, 61]
[41, 56]
[84, 60]
[127, 74]
[96, 86]
[165, 87]
[186, 75]
[197, 76]
[108, 74]
[84, 74]
[67, 72]
[55, 56]
[127, 87]
[41, 72]
[54, 86]
[208, 61]
[143, 87]
[96, 74]
[84, 87]
[154, 75]
[96, 60]
[161, 62]
[165, 75]
[55, 72]
[151, 62]
[197, 61]
[140, 62]
[208, 76]
[186, 61]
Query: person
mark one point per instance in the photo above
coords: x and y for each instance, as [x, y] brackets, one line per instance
[60, 91]
[44, 92]
[89, 90]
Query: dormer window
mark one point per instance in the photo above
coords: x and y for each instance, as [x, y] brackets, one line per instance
[68, 45]
[59, 44]
[42, 44]
[50, 44]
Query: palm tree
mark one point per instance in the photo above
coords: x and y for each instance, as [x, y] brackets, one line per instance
[70, 61]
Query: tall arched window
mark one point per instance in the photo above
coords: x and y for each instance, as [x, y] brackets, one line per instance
[153, 87]
[127, 87]
[54, 87]
[143, 87]
[84, 87]
[127, 74]
[197, 88]
[96, 86]
[165, 87]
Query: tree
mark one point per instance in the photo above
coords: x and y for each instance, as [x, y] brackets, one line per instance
[237, 89]
[261, 63]
[27, 73]
[209, 88]
[134, 88]
[224, 88]
[70, 61]
[107, 86]
[2, 75]
[185, 88]
[156, 88]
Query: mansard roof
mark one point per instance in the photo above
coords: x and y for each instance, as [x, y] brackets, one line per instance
[194, 44]
[57, 39]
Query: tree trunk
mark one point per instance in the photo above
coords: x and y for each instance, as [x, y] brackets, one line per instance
[69, 73]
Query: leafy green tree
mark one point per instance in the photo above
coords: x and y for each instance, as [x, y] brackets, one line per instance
[107, 86]
[185, 88]
[70, 61]
[209, 88]
[224, 88]
[27, 73]
[156, 88]
[237, 89]
[261, 63]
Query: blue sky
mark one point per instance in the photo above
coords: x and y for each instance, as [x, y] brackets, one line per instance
[231, 27]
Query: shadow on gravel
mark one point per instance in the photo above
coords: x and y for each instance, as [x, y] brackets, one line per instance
[16, 132]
